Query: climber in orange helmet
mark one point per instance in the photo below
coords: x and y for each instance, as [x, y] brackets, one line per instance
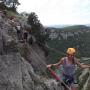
[69, 66]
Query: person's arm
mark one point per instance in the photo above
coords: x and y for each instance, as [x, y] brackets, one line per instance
[83, 66]
[56, 64]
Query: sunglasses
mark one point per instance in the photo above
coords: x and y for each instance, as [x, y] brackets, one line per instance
[71, 55]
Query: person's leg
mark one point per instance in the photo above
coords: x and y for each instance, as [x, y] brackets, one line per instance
[65, 88]
[73, 87]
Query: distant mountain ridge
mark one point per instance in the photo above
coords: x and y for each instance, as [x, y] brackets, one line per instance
[66, 25]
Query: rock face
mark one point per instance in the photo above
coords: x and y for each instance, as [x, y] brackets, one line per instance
[17, 72]
[64, 34]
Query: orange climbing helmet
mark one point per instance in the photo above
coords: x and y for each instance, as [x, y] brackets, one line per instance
[71, 51]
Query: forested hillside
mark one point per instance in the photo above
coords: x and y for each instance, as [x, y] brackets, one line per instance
[73, 36]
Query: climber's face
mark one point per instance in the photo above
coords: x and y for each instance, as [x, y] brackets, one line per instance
[70, 56]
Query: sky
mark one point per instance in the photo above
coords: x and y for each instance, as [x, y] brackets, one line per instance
[58, 12]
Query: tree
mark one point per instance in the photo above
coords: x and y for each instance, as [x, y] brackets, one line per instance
[38, 29]
[10, 4]
[24, 14]
[35, 24]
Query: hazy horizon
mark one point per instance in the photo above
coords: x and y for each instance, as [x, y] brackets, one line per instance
[67, 24]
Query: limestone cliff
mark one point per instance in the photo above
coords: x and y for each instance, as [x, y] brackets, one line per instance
[19, 62]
